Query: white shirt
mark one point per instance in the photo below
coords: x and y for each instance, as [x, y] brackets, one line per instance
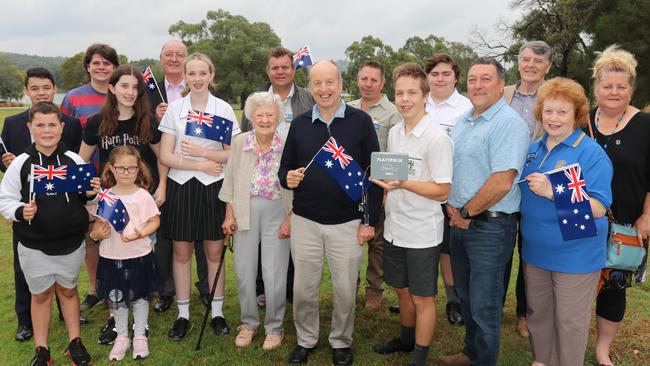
[174, 92]
[283, 126]
[173, 123]
[414, 221]
[446, 113]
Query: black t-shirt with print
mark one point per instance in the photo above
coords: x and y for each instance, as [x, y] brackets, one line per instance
[124, 135]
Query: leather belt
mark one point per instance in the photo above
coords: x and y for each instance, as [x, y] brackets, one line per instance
[485, 215]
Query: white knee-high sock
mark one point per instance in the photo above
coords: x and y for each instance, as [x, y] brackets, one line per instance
[217, 307]
[183, 308]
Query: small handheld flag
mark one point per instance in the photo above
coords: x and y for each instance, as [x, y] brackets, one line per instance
[111, 209]
[302, 58]
[343, 168]
[151, 84]
[65, 178]
[574, 213]
[208, 126]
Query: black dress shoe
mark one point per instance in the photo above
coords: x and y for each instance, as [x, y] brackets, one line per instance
[392, 346]
[394, 309]
[206, 300]
[219, 326]
[179, 330]
[24, 332]
[454, 315]
[300, 355]
[342, 356]
[163, 303]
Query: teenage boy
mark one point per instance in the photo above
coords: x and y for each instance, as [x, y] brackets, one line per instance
[39, 87]
[413, 228]
[49, 228]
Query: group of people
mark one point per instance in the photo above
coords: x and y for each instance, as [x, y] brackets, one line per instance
[477, 186]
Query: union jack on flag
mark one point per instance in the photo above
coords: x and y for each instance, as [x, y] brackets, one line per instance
[111, 209]
[576, 185]
[302, 58]
[200, 118]
[574, 215]
[347, 173]
[150, 81]
[64, 178]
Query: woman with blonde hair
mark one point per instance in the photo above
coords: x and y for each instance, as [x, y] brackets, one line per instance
[623, 131]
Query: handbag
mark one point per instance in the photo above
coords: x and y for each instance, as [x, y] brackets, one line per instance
[624, 250]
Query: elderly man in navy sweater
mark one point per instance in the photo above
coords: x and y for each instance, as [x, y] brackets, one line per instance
[326, 222]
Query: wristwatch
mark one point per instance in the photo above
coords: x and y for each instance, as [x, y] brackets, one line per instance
[464, 213]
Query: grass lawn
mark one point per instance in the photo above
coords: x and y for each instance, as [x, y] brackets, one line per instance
[632, 346]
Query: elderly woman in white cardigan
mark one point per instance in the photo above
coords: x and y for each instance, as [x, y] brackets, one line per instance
[258, 211]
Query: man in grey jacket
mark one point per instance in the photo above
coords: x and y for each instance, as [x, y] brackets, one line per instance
[281, 72]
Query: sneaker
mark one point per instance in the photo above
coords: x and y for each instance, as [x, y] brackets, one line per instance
[244, 337]
[42, 357]
[140, 347]
[272, 341]
[108, 333]
[146, 330]
[78, 353]
[88, 303]
[122, 344]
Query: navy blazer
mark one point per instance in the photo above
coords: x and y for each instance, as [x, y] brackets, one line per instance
[16, 137]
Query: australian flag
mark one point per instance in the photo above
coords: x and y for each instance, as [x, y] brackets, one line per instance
[150, 81]
[347, 173]
[111, 209]
[572, 203]
[208, 126]
[302, 58]
[64, 178]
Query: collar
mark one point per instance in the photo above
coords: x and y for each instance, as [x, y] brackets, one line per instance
[452, 100]
[383, 102]
[340, 113]
[573, 140]
[291, 92]
[177, 86]
[251, 143]
[487, 114]
[525, 95]
[419, 129]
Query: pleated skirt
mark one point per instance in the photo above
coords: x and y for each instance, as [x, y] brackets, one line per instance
[192, 211]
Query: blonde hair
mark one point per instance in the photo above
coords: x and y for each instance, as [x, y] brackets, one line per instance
[201, 57]
[615, 59]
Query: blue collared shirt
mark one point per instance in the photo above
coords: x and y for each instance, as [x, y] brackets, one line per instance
[340, 113]
[543, 244]
[495, 141]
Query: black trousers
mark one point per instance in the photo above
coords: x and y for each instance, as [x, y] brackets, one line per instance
[520, 291]
[164, 252]
[23, 296]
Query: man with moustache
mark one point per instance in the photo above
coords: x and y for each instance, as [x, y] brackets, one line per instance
[490, 143]
[384, 114]
[39, 87]
[326, 223]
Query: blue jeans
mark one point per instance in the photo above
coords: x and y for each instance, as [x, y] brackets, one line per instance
[479, 256]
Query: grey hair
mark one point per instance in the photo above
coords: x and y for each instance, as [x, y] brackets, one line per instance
[162, 50]
[539, 48]
[501, 72]
[259, 99]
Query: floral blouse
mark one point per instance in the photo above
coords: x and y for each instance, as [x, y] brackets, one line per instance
[264, 181]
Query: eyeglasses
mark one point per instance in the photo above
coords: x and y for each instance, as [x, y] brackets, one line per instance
[128, 169]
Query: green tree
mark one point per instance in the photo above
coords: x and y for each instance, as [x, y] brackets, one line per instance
[235, 45]
[632, 19]
[11, 80]
[369, 48]
[149, 62]
[73, 73]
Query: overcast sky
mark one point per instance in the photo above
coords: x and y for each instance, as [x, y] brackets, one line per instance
[138, 28]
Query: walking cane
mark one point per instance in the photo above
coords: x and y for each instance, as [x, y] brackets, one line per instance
[214, 287]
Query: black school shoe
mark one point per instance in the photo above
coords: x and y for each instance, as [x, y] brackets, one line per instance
[163, 304]
[108, 333]
[42, 357]
[89, 302]
[454, 315]
[179, 330]
[24, 332]
[219, 326]
[392, 346]
[78, 353]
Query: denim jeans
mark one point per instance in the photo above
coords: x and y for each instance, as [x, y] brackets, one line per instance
[479, 256]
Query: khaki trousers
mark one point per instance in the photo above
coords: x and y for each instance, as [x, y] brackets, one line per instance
[559, 314]
[312, 242]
